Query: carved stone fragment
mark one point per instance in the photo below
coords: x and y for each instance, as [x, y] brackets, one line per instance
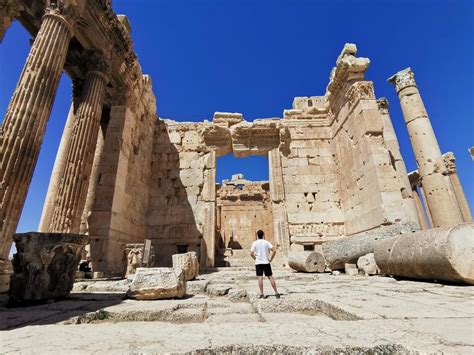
[187, 262]
[307, 261]
[44, 266]
[157, 283]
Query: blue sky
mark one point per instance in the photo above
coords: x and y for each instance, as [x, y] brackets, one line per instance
[254, 56]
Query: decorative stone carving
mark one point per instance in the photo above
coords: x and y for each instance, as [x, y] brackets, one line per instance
[403, 79]
[187, 262]
[44, 266]
[157, 283]
[134, 253]
[361, 90]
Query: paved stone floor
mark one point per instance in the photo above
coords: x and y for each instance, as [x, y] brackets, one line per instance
[317, 313]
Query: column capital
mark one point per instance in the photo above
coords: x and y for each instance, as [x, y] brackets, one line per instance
[383, 105]
[69, 11]
[97, 63]
[449, 162]
[403, 79]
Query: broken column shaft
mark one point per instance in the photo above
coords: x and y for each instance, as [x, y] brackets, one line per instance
[440, 196]
[434, 254]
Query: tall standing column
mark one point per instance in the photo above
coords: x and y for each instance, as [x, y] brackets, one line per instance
[391, 142]
[72, 189]
[93, 181]
[439, 193]
[24, 125]
[9, 9]
[451, 170]
[58, 169]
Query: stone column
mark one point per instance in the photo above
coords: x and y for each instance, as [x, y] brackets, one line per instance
[391, 142]
[57, 173]
[93, 181]
[72, 190]
[9, 9]
[450, 163]
[25, 122]
[439, 193]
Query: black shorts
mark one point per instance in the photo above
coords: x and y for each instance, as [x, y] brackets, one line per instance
[263, 268]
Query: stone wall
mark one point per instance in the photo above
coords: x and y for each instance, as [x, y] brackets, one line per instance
[243, 207]
[121, 203]
[182, 188]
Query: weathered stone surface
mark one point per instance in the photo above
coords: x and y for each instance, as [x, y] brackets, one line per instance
[351, 269]
[435, 254]
[157, 283]
[218, 289]
[6, 270]
[187, 262]
[350, 249]
[44, 266]
[307, 261]
[237, 295]
[367, 265]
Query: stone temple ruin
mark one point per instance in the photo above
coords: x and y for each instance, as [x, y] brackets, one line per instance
[135, 196]
[122, 174]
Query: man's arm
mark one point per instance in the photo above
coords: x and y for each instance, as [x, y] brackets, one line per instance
[272, 253]
[252, 254]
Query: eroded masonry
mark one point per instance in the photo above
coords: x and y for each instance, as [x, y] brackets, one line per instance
[122, 174]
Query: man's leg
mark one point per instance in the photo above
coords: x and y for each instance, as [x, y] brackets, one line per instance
[260, 284]
[273, 283]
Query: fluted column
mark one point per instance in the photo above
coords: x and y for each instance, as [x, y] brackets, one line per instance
[9, 9]
[451, 170]
[24, 125]
[72, 190]
[437, 188]
[413, 178]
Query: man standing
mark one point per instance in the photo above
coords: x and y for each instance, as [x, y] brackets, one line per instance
[263, 253]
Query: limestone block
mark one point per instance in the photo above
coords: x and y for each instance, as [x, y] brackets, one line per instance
[175, 137]
[218, 289]
[44, 266]
[237, 295]
[367, 265]
[157, 283]
[351, 269]
[187, 262]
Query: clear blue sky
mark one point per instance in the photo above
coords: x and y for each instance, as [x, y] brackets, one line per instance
[254, 56]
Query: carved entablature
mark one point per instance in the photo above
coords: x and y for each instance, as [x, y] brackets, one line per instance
[258, 137]
[403, 79]
[361, 90]
[216, 138]
[10, 8]
[348, 69]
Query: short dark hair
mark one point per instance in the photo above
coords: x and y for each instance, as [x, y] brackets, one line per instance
[260, 234]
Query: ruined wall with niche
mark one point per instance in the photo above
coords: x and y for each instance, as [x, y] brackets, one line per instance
[182, 189]
[243, 207]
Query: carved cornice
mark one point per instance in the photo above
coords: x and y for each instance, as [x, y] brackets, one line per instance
[361, 90]
[10, 8]
[403, 79]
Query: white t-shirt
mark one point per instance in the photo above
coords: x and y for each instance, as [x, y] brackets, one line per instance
[261, 249]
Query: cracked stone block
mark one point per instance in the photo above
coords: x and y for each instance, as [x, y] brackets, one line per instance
[157, 283]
